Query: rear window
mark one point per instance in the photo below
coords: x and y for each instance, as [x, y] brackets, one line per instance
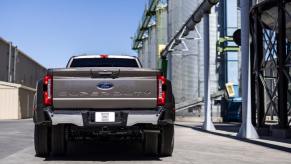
[104, 62]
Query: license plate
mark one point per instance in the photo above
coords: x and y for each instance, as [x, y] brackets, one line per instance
[104, 117]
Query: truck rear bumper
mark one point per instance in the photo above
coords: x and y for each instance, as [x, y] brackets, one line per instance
[123, 118]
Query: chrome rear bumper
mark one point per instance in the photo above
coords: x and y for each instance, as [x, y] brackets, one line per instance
[133, 117]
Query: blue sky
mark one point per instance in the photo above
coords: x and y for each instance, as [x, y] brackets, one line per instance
[51, 31]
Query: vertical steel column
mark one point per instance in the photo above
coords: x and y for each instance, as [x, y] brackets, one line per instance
[253, 77]
[246, 130]
[15, 64]
[208, 124]
[9, 63]
[282, 79]
[258, 58]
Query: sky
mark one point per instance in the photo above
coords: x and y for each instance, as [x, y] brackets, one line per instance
[51, 31]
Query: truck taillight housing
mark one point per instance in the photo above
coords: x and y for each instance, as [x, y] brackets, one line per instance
[161, 90]
[48, 90]
[104, 56]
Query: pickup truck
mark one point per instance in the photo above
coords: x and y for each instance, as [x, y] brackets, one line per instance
[101, 98]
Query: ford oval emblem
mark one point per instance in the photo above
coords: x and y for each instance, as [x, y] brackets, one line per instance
[105, 85]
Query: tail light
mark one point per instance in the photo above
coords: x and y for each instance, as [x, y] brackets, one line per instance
[48, 90]
[104, 56]
[161, 90]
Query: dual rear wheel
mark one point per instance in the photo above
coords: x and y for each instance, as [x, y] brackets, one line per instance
[49, 139]
[160, 144]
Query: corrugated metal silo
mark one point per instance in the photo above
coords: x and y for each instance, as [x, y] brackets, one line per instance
[152, 60]
[145, 52]
[162, 29]
[186, 64]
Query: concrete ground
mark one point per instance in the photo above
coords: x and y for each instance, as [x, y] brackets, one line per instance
[15, 136]
[192, 145]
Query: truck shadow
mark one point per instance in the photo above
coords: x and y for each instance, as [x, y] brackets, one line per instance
[104, 152]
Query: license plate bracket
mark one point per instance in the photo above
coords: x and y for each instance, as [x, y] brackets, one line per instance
[105, 117]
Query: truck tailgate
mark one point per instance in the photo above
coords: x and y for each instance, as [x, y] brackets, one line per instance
[101, 88]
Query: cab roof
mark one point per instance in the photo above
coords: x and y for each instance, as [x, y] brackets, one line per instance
[102, 56]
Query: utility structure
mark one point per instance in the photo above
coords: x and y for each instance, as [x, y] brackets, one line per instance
[146, 35]
[149, 12]
[202, 11]
[229, 52]
[229, 58]
[247, 129]
[181, 35]
[208, 124]
[270, 56]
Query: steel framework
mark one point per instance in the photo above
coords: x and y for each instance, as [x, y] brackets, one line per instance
[189, 25]
[149, 12]
[270, 64]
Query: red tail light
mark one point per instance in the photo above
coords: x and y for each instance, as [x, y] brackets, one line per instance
[104, 56]
[48, 90]
[161, 90]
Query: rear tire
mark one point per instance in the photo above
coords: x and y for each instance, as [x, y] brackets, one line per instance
[151, 144]
[41, 140]
[58, 140]
[166, 140]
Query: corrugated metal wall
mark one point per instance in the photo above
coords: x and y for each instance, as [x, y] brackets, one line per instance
[149, 47]
[28, 71]
[21, 69]
[152, 60]
[162, 29]
[186, 60]
[162, 22]
[145, 52]
[18, 76]
[4, 55]
[187, 66]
